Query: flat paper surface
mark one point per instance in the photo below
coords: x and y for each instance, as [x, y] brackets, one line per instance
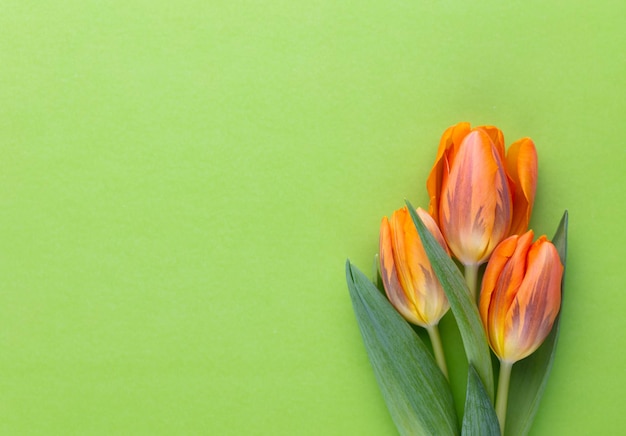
[182, 182]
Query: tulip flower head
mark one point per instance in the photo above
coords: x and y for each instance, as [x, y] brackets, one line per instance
[521, 295]
[478, 194]
[409, 280]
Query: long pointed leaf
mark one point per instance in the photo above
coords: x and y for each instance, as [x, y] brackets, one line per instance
[464, 309]
[530, 375]
[480, 417]
[416, 392]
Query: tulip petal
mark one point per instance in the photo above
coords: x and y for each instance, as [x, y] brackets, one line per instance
[497, 139]
[508, 265]
[475, 209]
[511, 277]
[521, 165]
[448, 146]
[424, 294]
[497, 262]
[406, 259]
[389, 274]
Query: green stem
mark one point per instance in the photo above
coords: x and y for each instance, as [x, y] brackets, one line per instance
[503, 392]
[435, 339]
[471, 278]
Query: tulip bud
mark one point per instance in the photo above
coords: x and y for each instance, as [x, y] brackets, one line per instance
[409, 280]
[479, 195]
[521, 295]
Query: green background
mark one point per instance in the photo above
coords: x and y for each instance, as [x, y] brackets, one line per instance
[182, 182]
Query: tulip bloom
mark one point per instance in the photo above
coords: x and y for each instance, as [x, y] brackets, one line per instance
[520, 295]
[519, 301]
[478, 194]
[409, 280]
[410, 283]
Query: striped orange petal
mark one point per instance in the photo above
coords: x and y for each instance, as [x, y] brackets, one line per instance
[521, 165]
[475, 206]
[389, 274]
[448, 147]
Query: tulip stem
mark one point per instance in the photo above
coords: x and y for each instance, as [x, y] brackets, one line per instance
[471, 278]
[503, 392]
[435, 339]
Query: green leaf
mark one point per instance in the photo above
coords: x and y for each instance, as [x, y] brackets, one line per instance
[416, 392]
[464, 309]
[529, 376]
[378, 280]
[480, 417]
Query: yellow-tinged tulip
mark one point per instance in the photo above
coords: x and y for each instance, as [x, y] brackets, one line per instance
[478, 194]
[410, 282]
[521, 295]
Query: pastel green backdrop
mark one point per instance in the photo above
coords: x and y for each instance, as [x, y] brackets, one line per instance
[182, 182]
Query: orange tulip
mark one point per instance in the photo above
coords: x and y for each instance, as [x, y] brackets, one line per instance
[478, 194]
[521, 295]
[409, 280]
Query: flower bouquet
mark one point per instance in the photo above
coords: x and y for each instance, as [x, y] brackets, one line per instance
[481, 199]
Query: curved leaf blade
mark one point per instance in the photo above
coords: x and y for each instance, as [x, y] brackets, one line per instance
[529, 376]
[416, 392]
[464, 309]
[480, 417]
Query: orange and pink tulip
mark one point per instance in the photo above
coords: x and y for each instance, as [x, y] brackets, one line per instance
[479, 195]
[409, 280]
[521, 295]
